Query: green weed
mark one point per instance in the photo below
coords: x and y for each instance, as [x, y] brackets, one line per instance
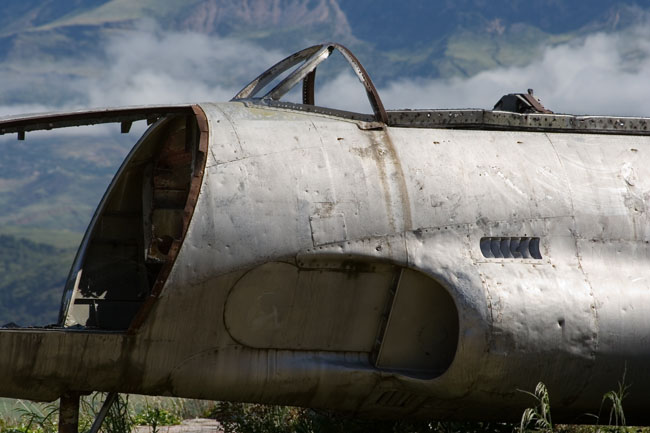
[155, 416]
[615, 398]
[118, 419]
[36, 420]
[538, 418]
[257, 418]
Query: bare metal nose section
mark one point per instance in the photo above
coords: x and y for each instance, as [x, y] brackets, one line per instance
[136, 232]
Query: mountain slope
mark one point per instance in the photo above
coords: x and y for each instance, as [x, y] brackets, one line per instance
[414, 22]
[221, 17]
[23, 15]
[412, 38]
[31, 277]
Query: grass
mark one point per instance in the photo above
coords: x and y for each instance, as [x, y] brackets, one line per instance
[129, 411]
[155, 417]
[18, 416]
[615, 399]
[538, 418]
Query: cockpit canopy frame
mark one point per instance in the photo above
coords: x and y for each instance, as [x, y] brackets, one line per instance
[311, 58]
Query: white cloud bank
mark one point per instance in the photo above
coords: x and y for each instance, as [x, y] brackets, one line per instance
[149, 67]
[601, 74]
[146, 66]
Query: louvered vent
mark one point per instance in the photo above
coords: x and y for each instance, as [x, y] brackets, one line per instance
[394, 399]
[510, 248]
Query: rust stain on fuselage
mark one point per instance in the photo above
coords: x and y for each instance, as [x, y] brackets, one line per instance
[382, 151]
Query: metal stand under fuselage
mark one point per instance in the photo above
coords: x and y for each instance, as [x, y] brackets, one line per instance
[69, 412]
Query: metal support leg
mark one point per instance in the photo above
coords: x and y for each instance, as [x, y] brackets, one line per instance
[99, 419]
[69, 413]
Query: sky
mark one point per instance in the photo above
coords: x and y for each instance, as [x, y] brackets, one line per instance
[599, 74]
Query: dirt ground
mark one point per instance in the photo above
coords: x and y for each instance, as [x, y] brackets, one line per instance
[197, 425]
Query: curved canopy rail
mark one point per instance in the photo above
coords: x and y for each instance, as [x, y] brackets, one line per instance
[311, 58]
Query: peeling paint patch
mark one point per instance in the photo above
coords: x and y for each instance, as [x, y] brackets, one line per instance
[328, 229]
[511, 184]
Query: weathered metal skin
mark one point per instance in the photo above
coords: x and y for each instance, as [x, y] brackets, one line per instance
[383, 270]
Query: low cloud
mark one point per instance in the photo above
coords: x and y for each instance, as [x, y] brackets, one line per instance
[144, 66]
[149, 66]
[600, 74]
[138, 67]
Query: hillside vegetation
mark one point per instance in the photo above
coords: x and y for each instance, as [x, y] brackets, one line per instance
[32, 276]
[48, 192]
[412, 38]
